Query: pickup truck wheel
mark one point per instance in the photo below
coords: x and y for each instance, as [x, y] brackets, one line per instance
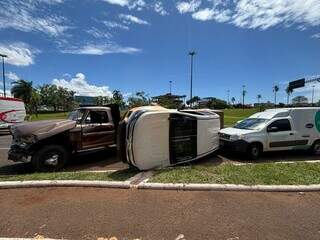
[254, 151]
[316, 147]
[50, 158]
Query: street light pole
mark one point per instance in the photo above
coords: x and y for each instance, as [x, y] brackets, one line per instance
[312, 95]
[192, 53]
[170, 83]
[228, 91]
[3, 74]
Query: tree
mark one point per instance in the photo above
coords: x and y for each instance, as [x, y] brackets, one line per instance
[138, 99]
[300, 100]
[216, 103]
[243, 93]
[275, 90]
[23, 89]
[34, 102]
[49, 96]
[117, 98]
[289, 91]
[195, 99]
[259, 98]
[233, 100]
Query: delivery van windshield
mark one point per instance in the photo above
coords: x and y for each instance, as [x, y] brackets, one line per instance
[251, 123]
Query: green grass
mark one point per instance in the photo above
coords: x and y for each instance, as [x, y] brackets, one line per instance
[266, 174]
[48, 116]
[231, 116]
[120, 175]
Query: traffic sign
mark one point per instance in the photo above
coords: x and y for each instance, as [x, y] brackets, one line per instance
[297, 83]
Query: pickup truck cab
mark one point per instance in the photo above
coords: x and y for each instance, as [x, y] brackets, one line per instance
[274, 130]
[49, 144]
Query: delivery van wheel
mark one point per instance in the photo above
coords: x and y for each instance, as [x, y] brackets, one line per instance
[316, 147]
[254, 151]
[50, 158]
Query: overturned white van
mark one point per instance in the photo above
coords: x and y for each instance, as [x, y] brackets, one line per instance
[156, 137]
[12, 111]
[274, 130]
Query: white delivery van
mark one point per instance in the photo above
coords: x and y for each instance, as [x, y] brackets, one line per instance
[12, 111]
[274, 130]
[155, 137]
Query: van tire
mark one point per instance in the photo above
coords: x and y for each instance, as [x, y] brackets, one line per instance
[50, 158]
[315, 149]
[254, 151]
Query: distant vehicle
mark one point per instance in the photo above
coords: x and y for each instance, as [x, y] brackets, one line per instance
[48, 144]
[274, 130]
[12, 111]
[155, 137]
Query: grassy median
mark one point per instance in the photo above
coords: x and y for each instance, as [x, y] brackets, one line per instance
[120, 175]
[253, 174]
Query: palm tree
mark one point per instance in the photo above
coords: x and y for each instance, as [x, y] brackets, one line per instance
[275, 90]
[233, 100]
[243, 93]
[289, 91]
[259, 97]
[23, 89]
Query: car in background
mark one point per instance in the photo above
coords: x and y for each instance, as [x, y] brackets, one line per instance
[156, 137]
[274, 130]
[12, 111]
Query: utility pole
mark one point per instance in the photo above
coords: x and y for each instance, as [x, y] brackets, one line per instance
[170, 86]
[228, 92]
[3, 74]
[191, 54]
[312, 95]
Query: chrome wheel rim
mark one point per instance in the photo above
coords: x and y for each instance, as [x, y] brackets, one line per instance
[53, 160]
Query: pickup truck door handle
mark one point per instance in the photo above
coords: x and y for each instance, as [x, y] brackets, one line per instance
[291, 134]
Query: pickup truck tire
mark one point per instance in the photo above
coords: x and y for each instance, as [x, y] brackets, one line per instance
[315, 149]
[50, 158]
[254, 151]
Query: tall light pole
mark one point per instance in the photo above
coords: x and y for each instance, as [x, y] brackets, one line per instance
[191, 54]
[312, 95]
[243, 95]
[3, 74]
[170, 86]
[228, 92]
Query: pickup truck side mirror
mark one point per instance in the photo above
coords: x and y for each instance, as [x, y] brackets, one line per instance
[272, 129]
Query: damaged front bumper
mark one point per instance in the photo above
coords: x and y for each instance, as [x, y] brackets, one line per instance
[19, 153]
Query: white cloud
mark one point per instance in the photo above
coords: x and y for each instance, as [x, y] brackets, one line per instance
[191, 6]
[19, 54]
[132, 19]
[212, 14]
[98, 33]
[112, 24]
[31, 16]
[158, 7]
[8, 93]
[257, 14]
[121, 3]
[131, 4]
[101, 49]
[81, 87]
[12, 76]
[317, 35]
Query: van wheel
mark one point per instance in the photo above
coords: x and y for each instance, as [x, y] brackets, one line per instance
[254, 150]
[316, 147]
[50, 158]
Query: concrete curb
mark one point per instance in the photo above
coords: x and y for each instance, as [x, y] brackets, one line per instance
[64, 183]
[229, 187]
[159, 186]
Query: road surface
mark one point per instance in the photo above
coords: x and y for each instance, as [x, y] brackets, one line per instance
[89, 213]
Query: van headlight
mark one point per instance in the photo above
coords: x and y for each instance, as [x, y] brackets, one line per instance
[236, 137]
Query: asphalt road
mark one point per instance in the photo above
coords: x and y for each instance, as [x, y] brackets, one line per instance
[106, 159]
[89, 213]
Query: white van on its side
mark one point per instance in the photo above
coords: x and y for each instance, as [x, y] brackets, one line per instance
[12, 111]
[274, 130]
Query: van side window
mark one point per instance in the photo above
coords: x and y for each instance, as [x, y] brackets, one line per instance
[281, 125]
[97, 117]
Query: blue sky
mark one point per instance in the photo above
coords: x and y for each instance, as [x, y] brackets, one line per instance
[96, 46]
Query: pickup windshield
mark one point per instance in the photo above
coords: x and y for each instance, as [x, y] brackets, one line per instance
[76, 115]
[251, 123]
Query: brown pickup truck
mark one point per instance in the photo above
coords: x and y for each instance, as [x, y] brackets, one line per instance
[49, 144]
